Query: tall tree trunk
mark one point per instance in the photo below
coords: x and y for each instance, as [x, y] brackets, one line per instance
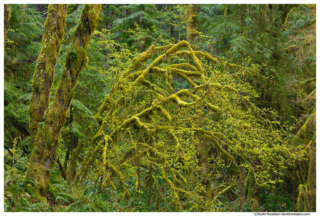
[191, 17]
[172, 29]
[312, 176]
[264, 11]
[70, 145]
[126, 11]
[242, 168]
[43, 9]
[242, 21]
[65, 164]
[44, 72]
[283, 10]
[73, 144]
[46, 141]
[6, 20]
[73, 161]
[250, 186]
[242, 184]
[242, 29]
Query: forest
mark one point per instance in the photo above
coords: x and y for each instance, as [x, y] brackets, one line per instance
[159, 108]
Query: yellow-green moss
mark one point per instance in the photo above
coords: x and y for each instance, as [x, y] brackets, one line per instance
[102, 108]
[125, 192]
[44, 72]
[183, 66]
[191, 18]
[213, 108]
[137, 61]
[229, 88]
[145, 150]
[165, 113]
[42, 159]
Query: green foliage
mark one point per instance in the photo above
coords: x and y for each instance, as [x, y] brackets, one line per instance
[265, 43]
[143, 15]
[18, 193]
[158, 125]
[23, 42]
[275, 200]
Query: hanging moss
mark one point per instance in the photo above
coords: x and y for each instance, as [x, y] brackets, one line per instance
[149, 127]
[107, 140]
[90, 157]
[178, 145]
[173, 188]
[125, 192]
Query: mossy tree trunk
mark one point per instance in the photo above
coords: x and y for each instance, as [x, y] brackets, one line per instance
[46, 140]
[250, 186]
[191, 17]
[283, 10]
[242, 184]
[6, 20]
[242, 161]
[70, 147]
[44, 72]
[242, 29]
[264, 11]
[172, 29]
[74, 140]
[312, 176]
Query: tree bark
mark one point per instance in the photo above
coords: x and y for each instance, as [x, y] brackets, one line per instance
[250, 186]
[264, 11]
[6, 20]
[74, 140]
[242, 30]
[43, 9]
[312, 176]
[191, 17]
[172, 29]
[47, 138]
[242, 168]
[44, 72]
[242, 184]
